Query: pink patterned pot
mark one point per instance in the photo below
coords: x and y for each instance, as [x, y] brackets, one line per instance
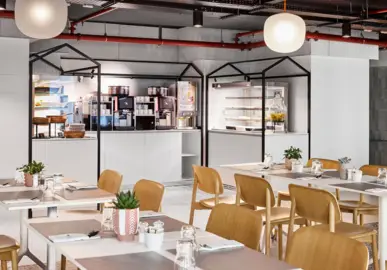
[125, 223]
[28, 180]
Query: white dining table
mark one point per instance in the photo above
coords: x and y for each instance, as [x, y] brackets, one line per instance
[51, 204]
[281, 177]
[108, 253]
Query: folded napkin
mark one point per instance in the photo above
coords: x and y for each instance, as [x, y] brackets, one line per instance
[71, 237]
[81, 187]
[307, 178]
[146, 214]
[5, 185]
[376, 190]
[20, 201]
[225, 244]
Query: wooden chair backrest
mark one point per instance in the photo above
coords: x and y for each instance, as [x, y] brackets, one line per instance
[252, 190]
[236, 223]
[150, 194]
[208, 180]
[326, 163]
[371, 170]
[110, 181]
[315, 249]
[314, 204]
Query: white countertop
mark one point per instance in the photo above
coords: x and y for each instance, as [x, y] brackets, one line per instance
[64, 139]
[254, 133]
[145, 131]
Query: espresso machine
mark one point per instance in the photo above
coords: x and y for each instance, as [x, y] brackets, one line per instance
[165, 112]
[124, 112]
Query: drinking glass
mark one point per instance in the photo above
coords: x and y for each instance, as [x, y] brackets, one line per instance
[316, 167]
[42, 185]
[107, 219]
[185, 259]
[382, 176]
[189, 232]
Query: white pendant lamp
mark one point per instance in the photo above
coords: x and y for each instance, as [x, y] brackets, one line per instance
[284, 32]
[41, 19]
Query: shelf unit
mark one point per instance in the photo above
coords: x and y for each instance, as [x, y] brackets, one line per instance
[191, 153]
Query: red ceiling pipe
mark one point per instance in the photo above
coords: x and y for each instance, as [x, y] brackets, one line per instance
[320, 36]
[7, 14]
[254, 45]
[251, 33]
[152, 41]
[89, 17]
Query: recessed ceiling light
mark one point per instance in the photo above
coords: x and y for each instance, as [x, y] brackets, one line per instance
[368, 30]
[87, 6]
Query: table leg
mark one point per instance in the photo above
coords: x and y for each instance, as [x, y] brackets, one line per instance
[23, 234]
[51, 260]
[383, 231]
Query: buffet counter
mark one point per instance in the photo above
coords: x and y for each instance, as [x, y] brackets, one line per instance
[234, 147]
[75, 158]
[159, 155]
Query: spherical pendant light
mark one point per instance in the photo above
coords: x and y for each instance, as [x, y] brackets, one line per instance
[41, 19]
[284, 32]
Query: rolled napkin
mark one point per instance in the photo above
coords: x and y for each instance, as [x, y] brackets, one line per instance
[21, 201]
[224, 244]
[376, 190]
[71, 237]
[81, 187]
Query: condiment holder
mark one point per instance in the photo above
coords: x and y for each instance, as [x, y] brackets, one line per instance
[297, 166]
[356, 175]
[154, 235]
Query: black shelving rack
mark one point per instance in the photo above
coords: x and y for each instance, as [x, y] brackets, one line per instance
[95, 66]
[262, 75]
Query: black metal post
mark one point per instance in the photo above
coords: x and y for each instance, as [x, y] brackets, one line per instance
[202, 119]
[30, 124]
[263, 116]
[205, 110]
[98, 122]
[309, 116]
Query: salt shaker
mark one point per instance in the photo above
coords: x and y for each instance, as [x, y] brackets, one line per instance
[142, 228]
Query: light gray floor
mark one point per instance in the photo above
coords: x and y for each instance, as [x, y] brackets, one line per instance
[176, 204]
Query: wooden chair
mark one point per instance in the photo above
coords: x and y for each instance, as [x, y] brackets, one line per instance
[109, 181]
[313, 249]
[207, 180]
[8, 252]
[360, 208]
[326, 164]
[317, 205]
[150, 194]
[236, 223]
[258, 192]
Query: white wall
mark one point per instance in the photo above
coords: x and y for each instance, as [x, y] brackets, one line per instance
[340, 108]
[13, 104]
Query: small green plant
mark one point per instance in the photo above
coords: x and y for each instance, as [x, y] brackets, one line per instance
[32, 168]
[293, 153]
[126, 200]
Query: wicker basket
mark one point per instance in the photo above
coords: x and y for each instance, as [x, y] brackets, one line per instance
[57, 119]
[74, 134]
[40, 121]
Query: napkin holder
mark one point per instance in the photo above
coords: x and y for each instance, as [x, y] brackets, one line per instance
[297, 166]
[153, 241]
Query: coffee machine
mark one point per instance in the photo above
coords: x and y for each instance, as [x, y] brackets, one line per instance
[165, 112]
[124, 112]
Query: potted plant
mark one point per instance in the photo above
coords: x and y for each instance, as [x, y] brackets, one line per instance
[344, 166]
[126, 215]
[31, 173]
[291, 154]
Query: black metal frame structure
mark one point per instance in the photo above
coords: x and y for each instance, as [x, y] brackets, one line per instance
[259, 76]
[40, 56]
[176, 78]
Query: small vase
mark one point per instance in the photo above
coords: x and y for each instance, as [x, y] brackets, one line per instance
[288, 164]
[35, 180]
[28, 180]
[343, 171]
[125, 223]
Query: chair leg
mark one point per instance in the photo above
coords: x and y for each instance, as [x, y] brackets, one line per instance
[14, 260]
[361, 219]
[355, 217]
[63, 262]
[268, 239]
[191, 216]
[280, 247]
[375, 256]
[279, 201]
[3, 265]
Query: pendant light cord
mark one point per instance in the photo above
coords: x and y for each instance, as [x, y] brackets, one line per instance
[284, 5]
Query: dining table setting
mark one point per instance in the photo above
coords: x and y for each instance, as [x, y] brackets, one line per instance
[49, 196]
[280, 177]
